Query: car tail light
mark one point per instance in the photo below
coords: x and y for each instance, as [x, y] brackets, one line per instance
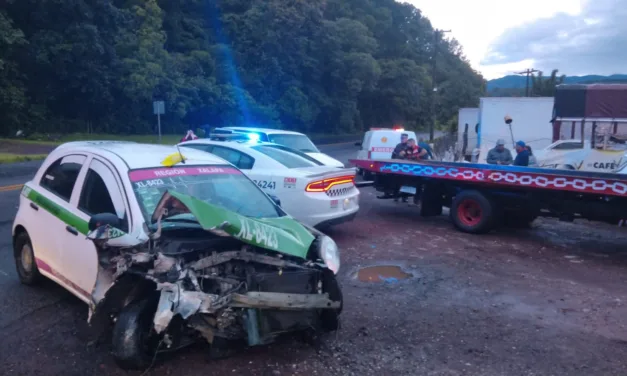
[326, 184]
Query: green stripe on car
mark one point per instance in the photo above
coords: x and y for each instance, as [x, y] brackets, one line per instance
[51, 207]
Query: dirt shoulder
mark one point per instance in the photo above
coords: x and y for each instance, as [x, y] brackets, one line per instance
[543, 301]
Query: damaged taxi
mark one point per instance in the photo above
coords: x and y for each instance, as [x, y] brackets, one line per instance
[168, 248]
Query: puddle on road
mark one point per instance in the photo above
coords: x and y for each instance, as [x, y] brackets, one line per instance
[382, 273]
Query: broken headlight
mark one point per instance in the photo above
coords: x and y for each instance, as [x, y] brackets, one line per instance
[329, 253]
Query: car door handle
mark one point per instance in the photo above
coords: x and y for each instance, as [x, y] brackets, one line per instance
[32, 205]
[71, 230]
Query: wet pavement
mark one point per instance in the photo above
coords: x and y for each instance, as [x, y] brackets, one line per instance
[550, 300]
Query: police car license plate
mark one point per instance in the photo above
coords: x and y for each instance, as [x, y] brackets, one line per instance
[408, 190]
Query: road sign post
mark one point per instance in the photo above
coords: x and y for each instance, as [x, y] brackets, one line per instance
[158, 107]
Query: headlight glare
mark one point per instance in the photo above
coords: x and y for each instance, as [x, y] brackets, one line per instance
[330, 254]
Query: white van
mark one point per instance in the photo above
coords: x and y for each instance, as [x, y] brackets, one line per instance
[379, 143]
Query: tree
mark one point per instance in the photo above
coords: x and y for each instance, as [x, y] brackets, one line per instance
[321, 66]
[545, 86]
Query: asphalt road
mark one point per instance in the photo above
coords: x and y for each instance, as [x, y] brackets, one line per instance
[545, 301]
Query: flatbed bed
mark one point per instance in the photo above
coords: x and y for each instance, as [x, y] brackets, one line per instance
[482, 196]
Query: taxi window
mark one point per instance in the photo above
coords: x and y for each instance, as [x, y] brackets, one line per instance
[61, 176]
[101, 192]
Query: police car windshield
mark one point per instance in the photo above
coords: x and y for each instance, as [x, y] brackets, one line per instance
[294, 141]
[222, 186]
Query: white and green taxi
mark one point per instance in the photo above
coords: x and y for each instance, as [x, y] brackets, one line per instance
[167, 247]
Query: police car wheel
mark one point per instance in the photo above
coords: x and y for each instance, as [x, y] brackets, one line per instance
[25, 263]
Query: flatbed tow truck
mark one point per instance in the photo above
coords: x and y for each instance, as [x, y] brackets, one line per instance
[481, 197]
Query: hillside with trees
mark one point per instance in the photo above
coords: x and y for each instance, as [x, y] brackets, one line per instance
[323, 66]
[544, 86]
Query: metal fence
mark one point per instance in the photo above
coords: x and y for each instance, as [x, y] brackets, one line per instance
[445, 148]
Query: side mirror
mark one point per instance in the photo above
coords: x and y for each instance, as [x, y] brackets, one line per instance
[103, 219]
[276, 200]
[358, 143]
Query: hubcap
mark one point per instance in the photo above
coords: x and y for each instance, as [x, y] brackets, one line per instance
[27, 258]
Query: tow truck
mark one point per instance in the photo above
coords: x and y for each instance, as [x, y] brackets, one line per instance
[481, 197]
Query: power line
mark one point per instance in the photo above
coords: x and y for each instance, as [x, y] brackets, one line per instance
[527, 72]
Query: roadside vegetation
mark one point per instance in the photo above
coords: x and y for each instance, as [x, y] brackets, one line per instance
[317, 66]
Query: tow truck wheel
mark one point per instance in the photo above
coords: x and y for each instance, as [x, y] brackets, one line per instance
[25, 263]
[134, 341]
[472, 212]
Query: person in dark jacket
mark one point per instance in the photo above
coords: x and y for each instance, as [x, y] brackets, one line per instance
[500, 154]
[396, 154]
[522, 158]
[424, 145]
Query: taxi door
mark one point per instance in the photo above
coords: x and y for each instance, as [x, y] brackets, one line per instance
[49, 212]
[100, 192]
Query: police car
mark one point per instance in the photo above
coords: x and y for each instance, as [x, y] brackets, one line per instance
[291, 139]
[311, 192]
[131, 228]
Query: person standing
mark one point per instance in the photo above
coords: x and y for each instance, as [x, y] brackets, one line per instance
[400, 148]
[190, 135]
[499, 155]
[424, 145]
[414, 152]
[532, 159]
[522, 158]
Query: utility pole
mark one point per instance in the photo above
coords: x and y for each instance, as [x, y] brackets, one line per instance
[527, 72]
[436, 38]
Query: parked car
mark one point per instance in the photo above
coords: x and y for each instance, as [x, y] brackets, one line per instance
[314, 194]
[291, 139]
[169, 246]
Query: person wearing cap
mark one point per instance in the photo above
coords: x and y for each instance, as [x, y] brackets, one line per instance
[522, 158]
[499, 155]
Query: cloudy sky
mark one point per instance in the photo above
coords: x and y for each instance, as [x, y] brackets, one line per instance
[500, 37]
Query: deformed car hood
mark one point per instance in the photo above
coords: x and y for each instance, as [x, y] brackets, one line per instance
[283, 234]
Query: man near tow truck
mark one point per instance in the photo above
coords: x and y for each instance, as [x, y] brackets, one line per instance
[499, 155]
[412, 152]
[522, 158]
[401, 147]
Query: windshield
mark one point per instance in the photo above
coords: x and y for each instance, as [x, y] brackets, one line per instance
[295, 141]
[287, 157]
[222, 186]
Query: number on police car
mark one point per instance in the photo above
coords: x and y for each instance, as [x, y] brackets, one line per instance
[264, 184]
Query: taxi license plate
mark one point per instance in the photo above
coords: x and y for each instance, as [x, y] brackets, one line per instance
[408, 190]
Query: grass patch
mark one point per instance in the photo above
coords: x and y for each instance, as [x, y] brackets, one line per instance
[13, 158]
[168, 139]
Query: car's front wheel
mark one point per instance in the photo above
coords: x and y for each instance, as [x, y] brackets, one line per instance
[134, 341]
[25, 263]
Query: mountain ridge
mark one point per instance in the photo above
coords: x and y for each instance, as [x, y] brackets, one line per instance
[519, 82]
